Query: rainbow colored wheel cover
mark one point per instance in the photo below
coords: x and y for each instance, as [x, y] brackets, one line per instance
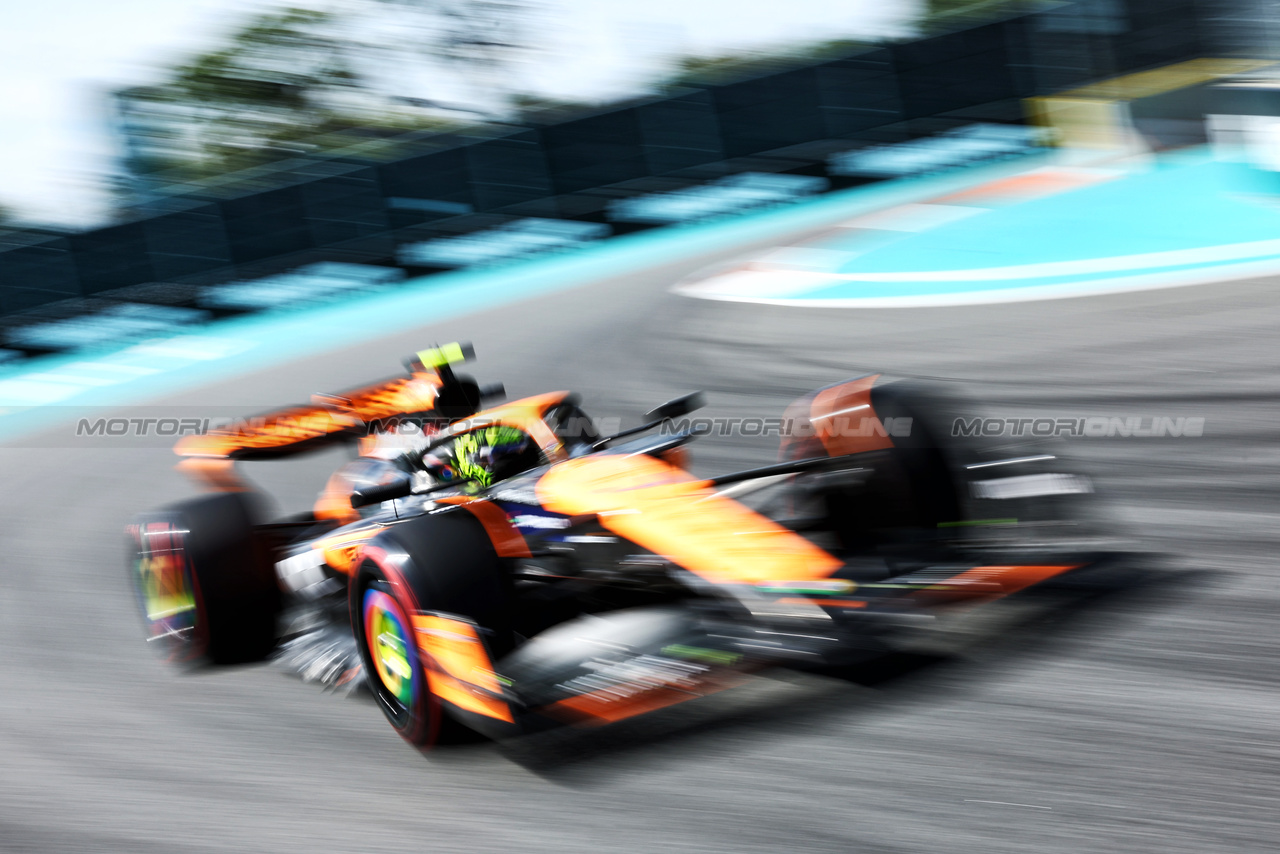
[164, 583]
[387, 632]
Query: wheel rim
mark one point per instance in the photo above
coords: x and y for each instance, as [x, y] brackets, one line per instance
[166, 590]
[391, 650]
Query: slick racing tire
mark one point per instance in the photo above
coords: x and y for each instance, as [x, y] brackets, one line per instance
[205, 582]
[909, 487]
[435, 564]
[924, 455]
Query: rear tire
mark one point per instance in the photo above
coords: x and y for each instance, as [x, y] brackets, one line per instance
[205, 581]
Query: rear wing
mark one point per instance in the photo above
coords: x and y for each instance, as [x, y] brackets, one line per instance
[329, 418]
[300, 429]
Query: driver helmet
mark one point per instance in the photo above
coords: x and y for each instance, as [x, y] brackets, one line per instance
[482, 456]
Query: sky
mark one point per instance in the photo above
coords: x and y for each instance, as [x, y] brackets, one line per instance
[60, 58]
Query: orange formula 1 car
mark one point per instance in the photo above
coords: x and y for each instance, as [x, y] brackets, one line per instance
[506, 569]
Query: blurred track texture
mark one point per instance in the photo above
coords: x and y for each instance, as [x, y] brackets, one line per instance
[1147, 724]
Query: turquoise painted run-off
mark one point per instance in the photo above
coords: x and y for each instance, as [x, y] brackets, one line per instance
[1176, 206]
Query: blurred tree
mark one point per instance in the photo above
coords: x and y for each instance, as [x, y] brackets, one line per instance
[711, 70]
[298, 80]
[936, 15]
[953, 14]
[540, 109]
[478, 34]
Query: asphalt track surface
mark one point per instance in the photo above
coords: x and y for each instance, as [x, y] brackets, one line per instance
[1141, 724]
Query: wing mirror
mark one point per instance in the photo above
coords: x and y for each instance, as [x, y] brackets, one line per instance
[677, 407]
[667, 411]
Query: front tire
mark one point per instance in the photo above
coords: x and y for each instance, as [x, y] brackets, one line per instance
[908, 489]
[441, 564]
[384, 633]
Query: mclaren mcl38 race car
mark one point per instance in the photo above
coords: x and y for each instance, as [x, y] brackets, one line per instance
[502, 569]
